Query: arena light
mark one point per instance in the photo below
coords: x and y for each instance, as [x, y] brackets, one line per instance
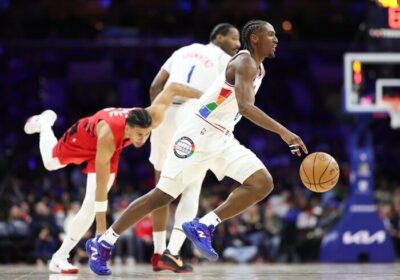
[389, 3]
[287, 26]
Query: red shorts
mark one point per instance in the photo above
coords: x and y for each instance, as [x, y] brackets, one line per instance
[77, 146]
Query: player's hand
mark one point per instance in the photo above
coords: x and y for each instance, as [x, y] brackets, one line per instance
[294, 141]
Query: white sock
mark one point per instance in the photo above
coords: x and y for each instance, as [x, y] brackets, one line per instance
[185, 211]
[68, 244]
[210, 219]
[159, 241]
[47, 141]
[110, 236]
[176, 241]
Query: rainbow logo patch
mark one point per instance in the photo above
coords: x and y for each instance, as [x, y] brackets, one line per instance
[206, 110]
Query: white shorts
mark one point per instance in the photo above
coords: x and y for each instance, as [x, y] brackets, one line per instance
[197, 147]
[161, 137]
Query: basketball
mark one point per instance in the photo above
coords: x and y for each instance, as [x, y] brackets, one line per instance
[319, 172]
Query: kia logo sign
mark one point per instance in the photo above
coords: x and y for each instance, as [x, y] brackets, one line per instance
[363, 237]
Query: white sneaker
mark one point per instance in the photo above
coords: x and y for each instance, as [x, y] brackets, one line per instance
[34, 123]
[62, 266]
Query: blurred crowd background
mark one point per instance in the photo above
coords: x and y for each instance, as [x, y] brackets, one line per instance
[79, 56]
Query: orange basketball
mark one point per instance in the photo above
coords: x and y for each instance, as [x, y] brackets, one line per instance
[319, 172]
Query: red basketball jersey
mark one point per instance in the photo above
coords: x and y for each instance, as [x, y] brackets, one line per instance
[79, 142]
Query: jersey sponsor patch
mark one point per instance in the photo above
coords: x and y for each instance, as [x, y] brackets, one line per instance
[184, 147]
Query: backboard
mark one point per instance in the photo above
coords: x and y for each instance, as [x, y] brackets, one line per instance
[370, 80]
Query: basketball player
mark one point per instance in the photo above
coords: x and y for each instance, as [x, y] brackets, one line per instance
[196, 65]
[205, 141]
[97, 140]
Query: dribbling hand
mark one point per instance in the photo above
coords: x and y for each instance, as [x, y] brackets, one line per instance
[294, 141]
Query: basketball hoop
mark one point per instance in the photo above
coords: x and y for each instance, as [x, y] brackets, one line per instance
[392, 105]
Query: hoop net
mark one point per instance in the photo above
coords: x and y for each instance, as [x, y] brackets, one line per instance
[392, 105]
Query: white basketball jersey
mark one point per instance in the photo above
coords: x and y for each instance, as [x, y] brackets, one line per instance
[219, 106]
[196, 65]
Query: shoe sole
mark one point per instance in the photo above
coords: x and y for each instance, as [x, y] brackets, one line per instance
[157, 269]
[187, 229]
[165, 266]
[54, 268]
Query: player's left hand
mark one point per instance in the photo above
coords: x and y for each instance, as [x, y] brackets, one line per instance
[294, 141]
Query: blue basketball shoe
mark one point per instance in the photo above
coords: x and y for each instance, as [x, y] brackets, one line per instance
[201, 235]
[99, 253]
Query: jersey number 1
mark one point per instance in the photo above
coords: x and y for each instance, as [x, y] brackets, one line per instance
[190, 73]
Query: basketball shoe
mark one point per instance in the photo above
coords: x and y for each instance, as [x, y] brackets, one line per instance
[154, 262]
[99, 253]
[200, 235]
[59, 265]
[174, 263]
[34, 123]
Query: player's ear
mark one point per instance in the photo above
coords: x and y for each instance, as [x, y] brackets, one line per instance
[254, 38]
[219, 39]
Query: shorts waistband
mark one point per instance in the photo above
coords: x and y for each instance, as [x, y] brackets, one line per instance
[216, 126]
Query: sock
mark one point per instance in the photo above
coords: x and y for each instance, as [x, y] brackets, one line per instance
[68, 244]
[47, 141]
[210, 219]
[159, 241]
[185, 211]
[176, 241]
[109, 236]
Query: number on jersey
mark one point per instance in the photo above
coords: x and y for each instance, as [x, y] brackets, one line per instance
[117, 112]
[189, 77]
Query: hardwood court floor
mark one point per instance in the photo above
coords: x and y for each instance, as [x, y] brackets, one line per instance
[213, 271]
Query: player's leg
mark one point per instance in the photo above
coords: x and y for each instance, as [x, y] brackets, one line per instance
[42, 124]
[160, 220]
[186, 210]
[160, 140]
[78, 227]
[99, 250]
[253, 189]
[242, 165]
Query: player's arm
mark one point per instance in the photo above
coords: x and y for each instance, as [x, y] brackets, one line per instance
[164, 99]
[104, 153]
[175, 89]
[245, 72]
[157, 85]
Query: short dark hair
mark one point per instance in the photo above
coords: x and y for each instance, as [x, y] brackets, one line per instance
[139, 117]
[222, 28]
[249, 28]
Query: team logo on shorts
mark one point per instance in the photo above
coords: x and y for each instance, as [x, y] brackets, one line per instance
[184, 147]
